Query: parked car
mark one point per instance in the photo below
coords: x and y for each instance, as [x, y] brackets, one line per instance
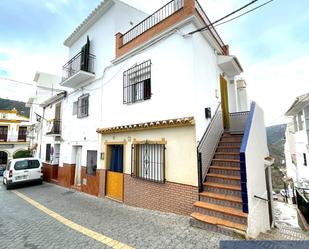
[22, 170]
[275, 196]
[2, 169]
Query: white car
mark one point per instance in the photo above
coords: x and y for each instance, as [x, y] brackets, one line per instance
[22, 170]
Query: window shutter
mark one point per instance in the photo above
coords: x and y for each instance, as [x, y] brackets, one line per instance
[147, 88]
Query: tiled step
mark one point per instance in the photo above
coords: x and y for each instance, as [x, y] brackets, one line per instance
[226, 162]
[224, 179]
[227, 134]
[224, 170]
[224, 148]
[221, 199]
[230, 143]
[219, 211]
[231, 139]
[227, 155]
[218, 225]
[222, 188]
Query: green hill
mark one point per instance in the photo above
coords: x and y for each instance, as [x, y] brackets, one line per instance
[7, 104]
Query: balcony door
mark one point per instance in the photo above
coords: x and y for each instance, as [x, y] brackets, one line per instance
[3, 133]
[22, 134]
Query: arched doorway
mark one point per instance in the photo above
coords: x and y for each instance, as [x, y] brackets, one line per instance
[3, 158]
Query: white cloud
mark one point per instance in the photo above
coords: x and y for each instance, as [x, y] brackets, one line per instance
[52, 7]
[274, 84]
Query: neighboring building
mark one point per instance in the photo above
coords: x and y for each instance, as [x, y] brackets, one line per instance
[13, 134]
[297, 139]
[141, 106]
[297, 151]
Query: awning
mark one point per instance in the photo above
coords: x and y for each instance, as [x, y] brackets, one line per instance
[229, 65]
[54, 99]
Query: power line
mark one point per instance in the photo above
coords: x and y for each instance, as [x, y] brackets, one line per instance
[244, 13]
[29, 84]
[211, 25]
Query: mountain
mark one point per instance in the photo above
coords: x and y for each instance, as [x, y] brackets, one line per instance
[7, 104]
[276, 141]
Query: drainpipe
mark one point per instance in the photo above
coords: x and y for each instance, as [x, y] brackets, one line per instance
[41, 135]
[268, 162]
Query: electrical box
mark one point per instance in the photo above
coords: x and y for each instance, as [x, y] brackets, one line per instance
[208, 112]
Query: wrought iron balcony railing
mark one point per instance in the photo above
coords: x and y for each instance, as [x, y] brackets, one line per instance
[80, 62]
[14, 139]
[157, 17]
[56, 128]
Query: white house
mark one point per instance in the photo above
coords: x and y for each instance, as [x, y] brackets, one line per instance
[146, 97]
[297, 153]
[297, 139]
[13, 134]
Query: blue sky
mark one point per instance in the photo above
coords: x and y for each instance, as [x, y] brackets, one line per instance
[272, 43]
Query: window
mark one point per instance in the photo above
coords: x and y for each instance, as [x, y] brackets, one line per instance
[21, 165]
[27, 164]
[22, 133]
[137, 83]
[4, 116]
[91, 162]
[48, 152]
[33, 164]
[75, 108]
[148, 161]
[300, 119]
[83, 106]
[305, 159]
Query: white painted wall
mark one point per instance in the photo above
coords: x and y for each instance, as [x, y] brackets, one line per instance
[119, 18]
[256, 151]
[184, 80]
[82, 132]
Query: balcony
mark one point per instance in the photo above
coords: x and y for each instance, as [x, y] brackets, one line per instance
[78, 70]
[174, 12]
[11, 140]
[55, 128]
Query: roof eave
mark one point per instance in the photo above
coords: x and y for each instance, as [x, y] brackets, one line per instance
[89, 21]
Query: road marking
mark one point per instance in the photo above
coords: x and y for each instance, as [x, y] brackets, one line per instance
[88, 232]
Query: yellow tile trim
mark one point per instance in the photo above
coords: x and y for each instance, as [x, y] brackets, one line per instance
[170, 123]
[88, 232]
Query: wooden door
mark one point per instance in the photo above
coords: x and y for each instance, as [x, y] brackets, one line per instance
[225, 103]
[114, 176]
[3, 133]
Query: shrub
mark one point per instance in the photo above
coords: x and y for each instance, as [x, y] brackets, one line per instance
[22, 154]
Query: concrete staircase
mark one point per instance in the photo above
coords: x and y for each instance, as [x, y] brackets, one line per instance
[220, 206]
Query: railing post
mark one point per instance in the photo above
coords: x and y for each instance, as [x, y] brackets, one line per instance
[119, 42]
[189, 6]
[199, 171]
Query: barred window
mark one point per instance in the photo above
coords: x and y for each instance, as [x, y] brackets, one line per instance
[148, 161]
[137, 83]
[83, 106]
[75, 108]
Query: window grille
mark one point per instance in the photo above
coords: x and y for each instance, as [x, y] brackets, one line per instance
[91, 162]
[83, 106]
[137, 83]
[148, 162]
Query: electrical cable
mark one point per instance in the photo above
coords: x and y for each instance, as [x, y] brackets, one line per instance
[212, 26]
